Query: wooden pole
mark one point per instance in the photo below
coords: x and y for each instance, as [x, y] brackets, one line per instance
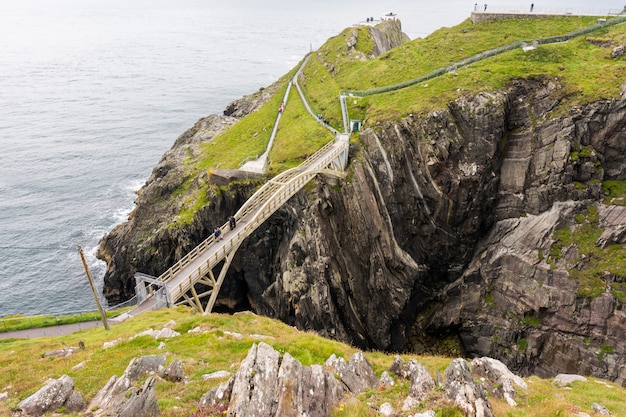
[93, 289]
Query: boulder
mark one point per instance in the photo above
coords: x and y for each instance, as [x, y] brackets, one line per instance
[564, 379]
[600, 409]
[112, 343]
[218, 397]
[410, 403]
[357, 374]
[164, 333]
[428, 413]
[421, 381]
[497, 378]
[75, 402]
[216, 375]
[466, 394]
[386, 380]
[61, 353]
[141, 403]
[143, 365]
[387, 410]
[175, 372]
[54, 394]
[120, 398]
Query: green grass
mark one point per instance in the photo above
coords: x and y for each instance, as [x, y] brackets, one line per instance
[296, 123]
[615, 192]
[575, 64]
[25, 371]
[247, 139]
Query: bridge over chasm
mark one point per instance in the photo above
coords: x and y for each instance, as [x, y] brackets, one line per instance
[177, 285]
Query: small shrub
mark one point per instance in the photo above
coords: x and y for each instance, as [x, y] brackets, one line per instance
[531, 321]
[522, 344]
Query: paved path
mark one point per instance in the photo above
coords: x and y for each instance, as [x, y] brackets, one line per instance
[51, 331]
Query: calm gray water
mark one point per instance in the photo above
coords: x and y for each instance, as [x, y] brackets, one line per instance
[92, 93]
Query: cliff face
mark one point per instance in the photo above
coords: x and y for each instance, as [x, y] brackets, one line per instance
[442, 228]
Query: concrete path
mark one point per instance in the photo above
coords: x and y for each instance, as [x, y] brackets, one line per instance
[51, 331]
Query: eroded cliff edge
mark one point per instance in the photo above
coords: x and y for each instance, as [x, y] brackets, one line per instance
[441, 229]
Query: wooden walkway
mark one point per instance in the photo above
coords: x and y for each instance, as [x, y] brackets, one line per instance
[177, 285]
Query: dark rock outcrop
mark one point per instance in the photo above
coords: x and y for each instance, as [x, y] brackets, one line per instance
[148, 241]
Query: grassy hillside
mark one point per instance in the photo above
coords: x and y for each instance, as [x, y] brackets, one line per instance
[582, 66]
[24, 370]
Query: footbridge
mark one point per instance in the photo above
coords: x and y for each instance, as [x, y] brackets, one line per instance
[208, 262]
[177, 284]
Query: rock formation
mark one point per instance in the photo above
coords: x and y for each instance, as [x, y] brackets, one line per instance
[443, 228]
[52, 396]
[268, 384]
[121, 398]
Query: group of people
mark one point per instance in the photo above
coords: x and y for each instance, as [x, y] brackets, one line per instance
[217, 232]
[476, 7]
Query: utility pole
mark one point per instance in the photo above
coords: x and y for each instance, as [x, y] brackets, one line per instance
[93, 289]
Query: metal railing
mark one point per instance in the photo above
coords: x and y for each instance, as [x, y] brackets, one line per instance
[541, 10]
[258, 208]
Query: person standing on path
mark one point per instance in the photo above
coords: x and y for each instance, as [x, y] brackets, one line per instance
[232, 222]
[532, 6]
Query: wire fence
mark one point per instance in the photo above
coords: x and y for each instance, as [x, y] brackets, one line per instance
[484, 55]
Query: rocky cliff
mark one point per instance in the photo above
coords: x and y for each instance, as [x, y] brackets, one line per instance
[444, 228]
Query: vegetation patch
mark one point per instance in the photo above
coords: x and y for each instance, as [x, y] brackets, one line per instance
[296, 123]
[593, 265]
[532, 321]
[615, 192]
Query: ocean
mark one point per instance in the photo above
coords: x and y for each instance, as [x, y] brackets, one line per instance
[92, 94]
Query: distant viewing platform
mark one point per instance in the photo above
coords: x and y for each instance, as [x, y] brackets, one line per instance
[482, 12]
